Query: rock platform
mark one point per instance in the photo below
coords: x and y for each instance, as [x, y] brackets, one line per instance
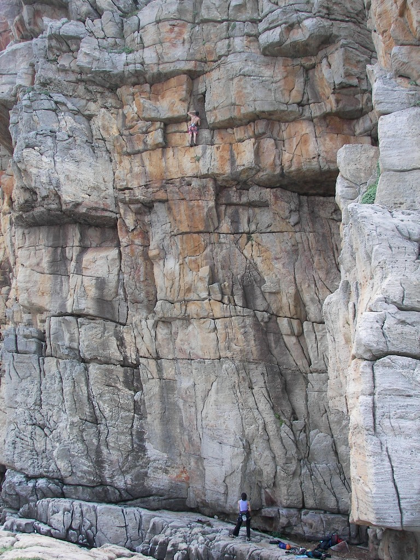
[182, 537]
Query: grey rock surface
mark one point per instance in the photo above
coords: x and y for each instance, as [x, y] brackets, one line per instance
[374, 330]
[159, 534]
[162, 305]
[16, 545]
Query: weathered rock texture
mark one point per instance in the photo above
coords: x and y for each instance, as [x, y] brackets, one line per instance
[165, 342]
[161, 534]
[373, 319]
[375, 331]
[16, 545]
[157, 534]
[153, 534]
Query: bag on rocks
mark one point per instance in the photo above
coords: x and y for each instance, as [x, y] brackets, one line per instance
[317, 553]
[325, 544]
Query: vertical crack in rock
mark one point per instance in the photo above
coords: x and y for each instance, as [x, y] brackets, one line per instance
[94, 452]
[205, 267]
[394, 482]
[340, 469]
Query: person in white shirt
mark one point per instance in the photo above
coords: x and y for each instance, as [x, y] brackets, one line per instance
[244, 508]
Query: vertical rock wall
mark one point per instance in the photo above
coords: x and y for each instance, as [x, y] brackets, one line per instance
[373, 319]
[164, 334]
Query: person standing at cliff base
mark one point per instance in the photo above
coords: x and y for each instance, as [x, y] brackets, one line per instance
[244, 508]
[193, 127]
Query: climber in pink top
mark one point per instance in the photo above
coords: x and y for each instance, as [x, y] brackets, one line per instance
[193, 127]
[244, 508]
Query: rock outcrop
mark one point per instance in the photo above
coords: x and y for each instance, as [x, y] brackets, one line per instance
[164, 334]
[374, 329]
[47, 548]
[373, 319]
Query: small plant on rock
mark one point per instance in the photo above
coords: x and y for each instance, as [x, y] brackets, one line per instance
[122, 50]
[279, 418]
[370, 194]
[130, 14]
[32, 558]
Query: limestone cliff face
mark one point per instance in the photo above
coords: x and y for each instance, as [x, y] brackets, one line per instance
[164, 335]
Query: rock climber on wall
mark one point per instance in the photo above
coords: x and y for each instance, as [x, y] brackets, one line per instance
[193, 127]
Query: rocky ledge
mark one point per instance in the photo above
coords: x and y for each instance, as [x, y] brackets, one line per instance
[160, 535]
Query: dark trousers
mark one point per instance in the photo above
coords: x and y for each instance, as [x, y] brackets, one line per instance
[239, 523]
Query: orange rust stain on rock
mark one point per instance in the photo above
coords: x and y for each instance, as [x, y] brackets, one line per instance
[7, 183]
[181, 476]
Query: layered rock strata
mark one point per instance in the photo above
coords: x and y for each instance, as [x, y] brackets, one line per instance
[165, 341]
[47, 548]
[162, 535]
[157, 534]
[374, 330]
[373, 319]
